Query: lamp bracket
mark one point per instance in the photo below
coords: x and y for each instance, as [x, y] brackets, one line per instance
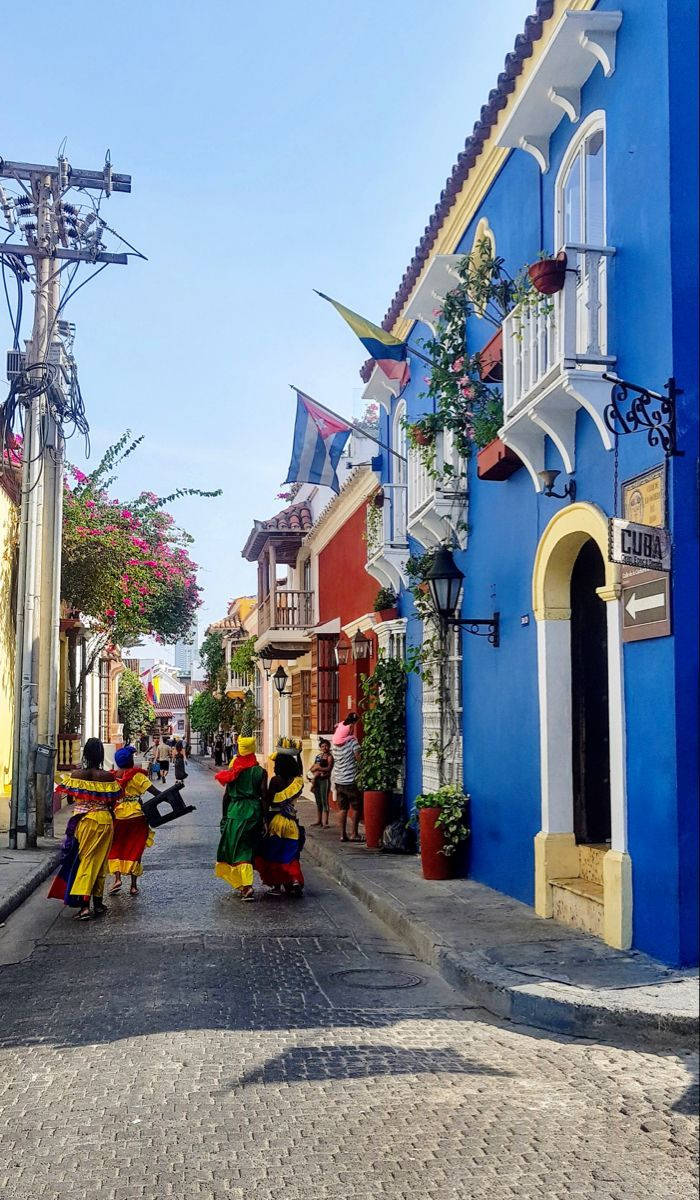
[492, 630]
[647, 410]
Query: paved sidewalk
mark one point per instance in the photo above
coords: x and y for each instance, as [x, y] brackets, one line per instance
[21, 871]
[504, 957]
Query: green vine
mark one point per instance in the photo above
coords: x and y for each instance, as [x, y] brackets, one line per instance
[384, 712]
[244, 658]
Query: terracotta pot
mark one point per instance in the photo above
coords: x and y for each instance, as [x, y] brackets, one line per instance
[496, 461]
[491, 359]
[548, 274]
[387, 614]
[421, 437]
[435, 864]
[377, 814]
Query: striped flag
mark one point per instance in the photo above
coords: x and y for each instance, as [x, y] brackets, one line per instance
[319, 441]
[389, 352]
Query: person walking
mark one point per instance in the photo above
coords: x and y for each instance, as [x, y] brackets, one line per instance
[131, 830]
[346, 753]
[180, 762]
[163, 755]
[245, 783]
[218, 750]
[321, 780]
[83, 868]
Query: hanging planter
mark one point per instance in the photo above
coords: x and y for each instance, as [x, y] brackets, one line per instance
[491, 359]
[496, 461]
[547, 275]
[420, 436]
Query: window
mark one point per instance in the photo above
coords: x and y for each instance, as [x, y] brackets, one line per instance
[306, 575]
[581, 188]
[399, 476]
[328, 691]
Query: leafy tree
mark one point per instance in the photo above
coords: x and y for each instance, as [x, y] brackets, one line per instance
[213, 659]
[244, 658]
[135, 712]
[205, 713]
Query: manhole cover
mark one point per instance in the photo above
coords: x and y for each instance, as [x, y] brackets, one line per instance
[367, 977]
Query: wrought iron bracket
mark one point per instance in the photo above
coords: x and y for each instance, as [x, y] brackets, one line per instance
[473, 625]
[633, 408]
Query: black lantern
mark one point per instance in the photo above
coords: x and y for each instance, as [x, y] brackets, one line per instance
[279, 679]
[549, 478]
[266, 660]
[343, 649]
[361, 646]
[445, 582]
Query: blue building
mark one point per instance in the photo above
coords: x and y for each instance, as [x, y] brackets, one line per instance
[576, 736]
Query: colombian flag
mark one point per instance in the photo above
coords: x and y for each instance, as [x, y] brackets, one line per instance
[389, 353]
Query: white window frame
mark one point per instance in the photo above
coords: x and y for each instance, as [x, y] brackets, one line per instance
[399, 475]
[594, 123]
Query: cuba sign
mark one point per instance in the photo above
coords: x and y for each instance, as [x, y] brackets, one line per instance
[644, 546]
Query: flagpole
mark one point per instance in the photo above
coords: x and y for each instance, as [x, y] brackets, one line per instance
[352, 424]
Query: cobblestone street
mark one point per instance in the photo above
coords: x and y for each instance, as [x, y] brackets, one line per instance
[191, 1045]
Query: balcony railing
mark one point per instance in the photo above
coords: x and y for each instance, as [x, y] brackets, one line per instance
[239, 683]
[436, 497]
[291, 610]
[421, 482]
[571, 332]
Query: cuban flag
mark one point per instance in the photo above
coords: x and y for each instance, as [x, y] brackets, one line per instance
[319, 441]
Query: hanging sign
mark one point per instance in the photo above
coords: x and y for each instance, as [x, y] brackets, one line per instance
[646, 547]
[644, 497]
[646, 605]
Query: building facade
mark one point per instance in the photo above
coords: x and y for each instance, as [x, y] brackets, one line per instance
[578, 745]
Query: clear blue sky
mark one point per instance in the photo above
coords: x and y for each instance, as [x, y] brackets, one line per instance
[274, 148]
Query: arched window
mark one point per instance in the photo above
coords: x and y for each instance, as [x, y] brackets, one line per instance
[581, 187]
[399, 475]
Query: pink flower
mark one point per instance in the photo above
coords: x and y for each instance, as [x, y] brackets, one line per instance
[126, 514]
[89, 503]
[467, 390]
[127, 602]
[78, 476]
[457, 365]
[110, 612]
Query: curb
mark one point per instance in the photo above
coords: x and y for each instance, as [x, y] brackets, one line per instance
[21, 893]
[488, 986]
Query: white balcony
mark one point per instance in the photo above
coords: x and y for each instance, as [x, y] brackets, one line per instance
[436, 500]
[387, 545]
[553, 362]
[238, 685]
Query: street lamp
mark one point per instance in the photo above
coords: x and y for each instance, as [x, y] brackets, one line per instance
[549, 478]
[445, 579]
[279, 679]
[361, 646]
[343, 649]
[266, 661]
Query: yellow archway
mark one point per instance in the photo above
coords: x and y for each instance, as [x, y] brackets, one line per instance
[555, 557]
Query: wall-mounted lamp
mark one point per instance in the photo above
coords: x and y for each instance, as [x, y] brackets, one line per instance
[343, 650]
[266, 661]
[361, 646]
[549, 478]
[445, 582]
[280, 679]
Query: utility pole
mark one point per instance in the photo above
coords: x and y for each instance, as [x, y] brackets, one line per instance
[48, 245]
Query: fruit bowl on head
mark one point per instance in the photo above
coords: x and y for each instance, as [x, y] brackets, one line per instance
[167, 806]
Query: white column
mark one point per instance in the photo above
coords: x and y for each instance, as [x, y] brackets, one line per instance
[616, 708]
[554, 679]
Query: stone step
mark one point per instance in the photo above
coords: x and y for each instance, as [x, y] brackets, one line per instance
[579, 903]
[590, 862]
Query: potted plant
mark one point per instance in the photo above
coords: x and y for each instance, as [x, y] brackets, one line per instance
[385, 604]
[442, 818]
[381, 756]
[421, 433]
[491, 358]
[548, 274]
[496, 461]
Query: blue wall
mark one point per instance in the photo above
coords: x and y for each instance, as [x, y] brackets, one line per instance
[652, 304]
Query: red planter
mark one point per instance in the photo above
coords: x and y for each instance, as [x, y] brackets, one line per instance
[420, 437]
[435, 864]
[496, 461]
[491, 359]
[377, 814]
[548, 275]
[387, 614]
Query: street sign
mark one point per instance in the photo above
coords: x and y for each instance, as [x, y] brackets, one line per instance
[646, 605]
[644, 497]
[644, 546]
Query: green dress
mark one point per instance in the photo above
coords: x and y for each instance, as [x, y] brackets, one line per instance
[241, 827]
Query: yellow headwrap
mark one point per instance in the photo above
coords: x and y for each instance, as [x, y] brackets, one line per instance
[246, 745]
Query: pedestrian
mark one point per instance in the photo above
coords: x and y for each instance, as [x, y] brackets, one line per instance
[346, 752]
[83, 870]
[180, 762]
[218, 750]
[245, 783]
[277, 861]
[320, 775]
[143, 744]
[163, 754]
[188, 750]
[228, 749]
[131, 830]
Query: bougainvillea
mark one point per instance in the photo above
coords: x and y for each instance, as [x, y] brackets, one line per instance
[126, 565]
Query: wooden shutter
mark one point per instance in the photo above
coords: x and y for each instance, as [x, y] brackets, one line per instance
[314, 686]
[306, 704]
[327, 684]
[297, 717]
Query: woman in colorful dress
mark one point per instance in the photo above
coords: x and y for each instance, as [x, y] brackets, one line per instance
[277, 860]
[83, 870]
[131, 831]
[245, 784]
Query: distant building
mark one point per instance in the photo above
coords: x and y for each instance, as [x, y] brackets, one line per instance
[184, 654]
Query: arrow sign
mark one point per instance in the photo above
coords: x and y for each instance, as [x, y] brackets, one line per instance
[637, 604]
[645, 606]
